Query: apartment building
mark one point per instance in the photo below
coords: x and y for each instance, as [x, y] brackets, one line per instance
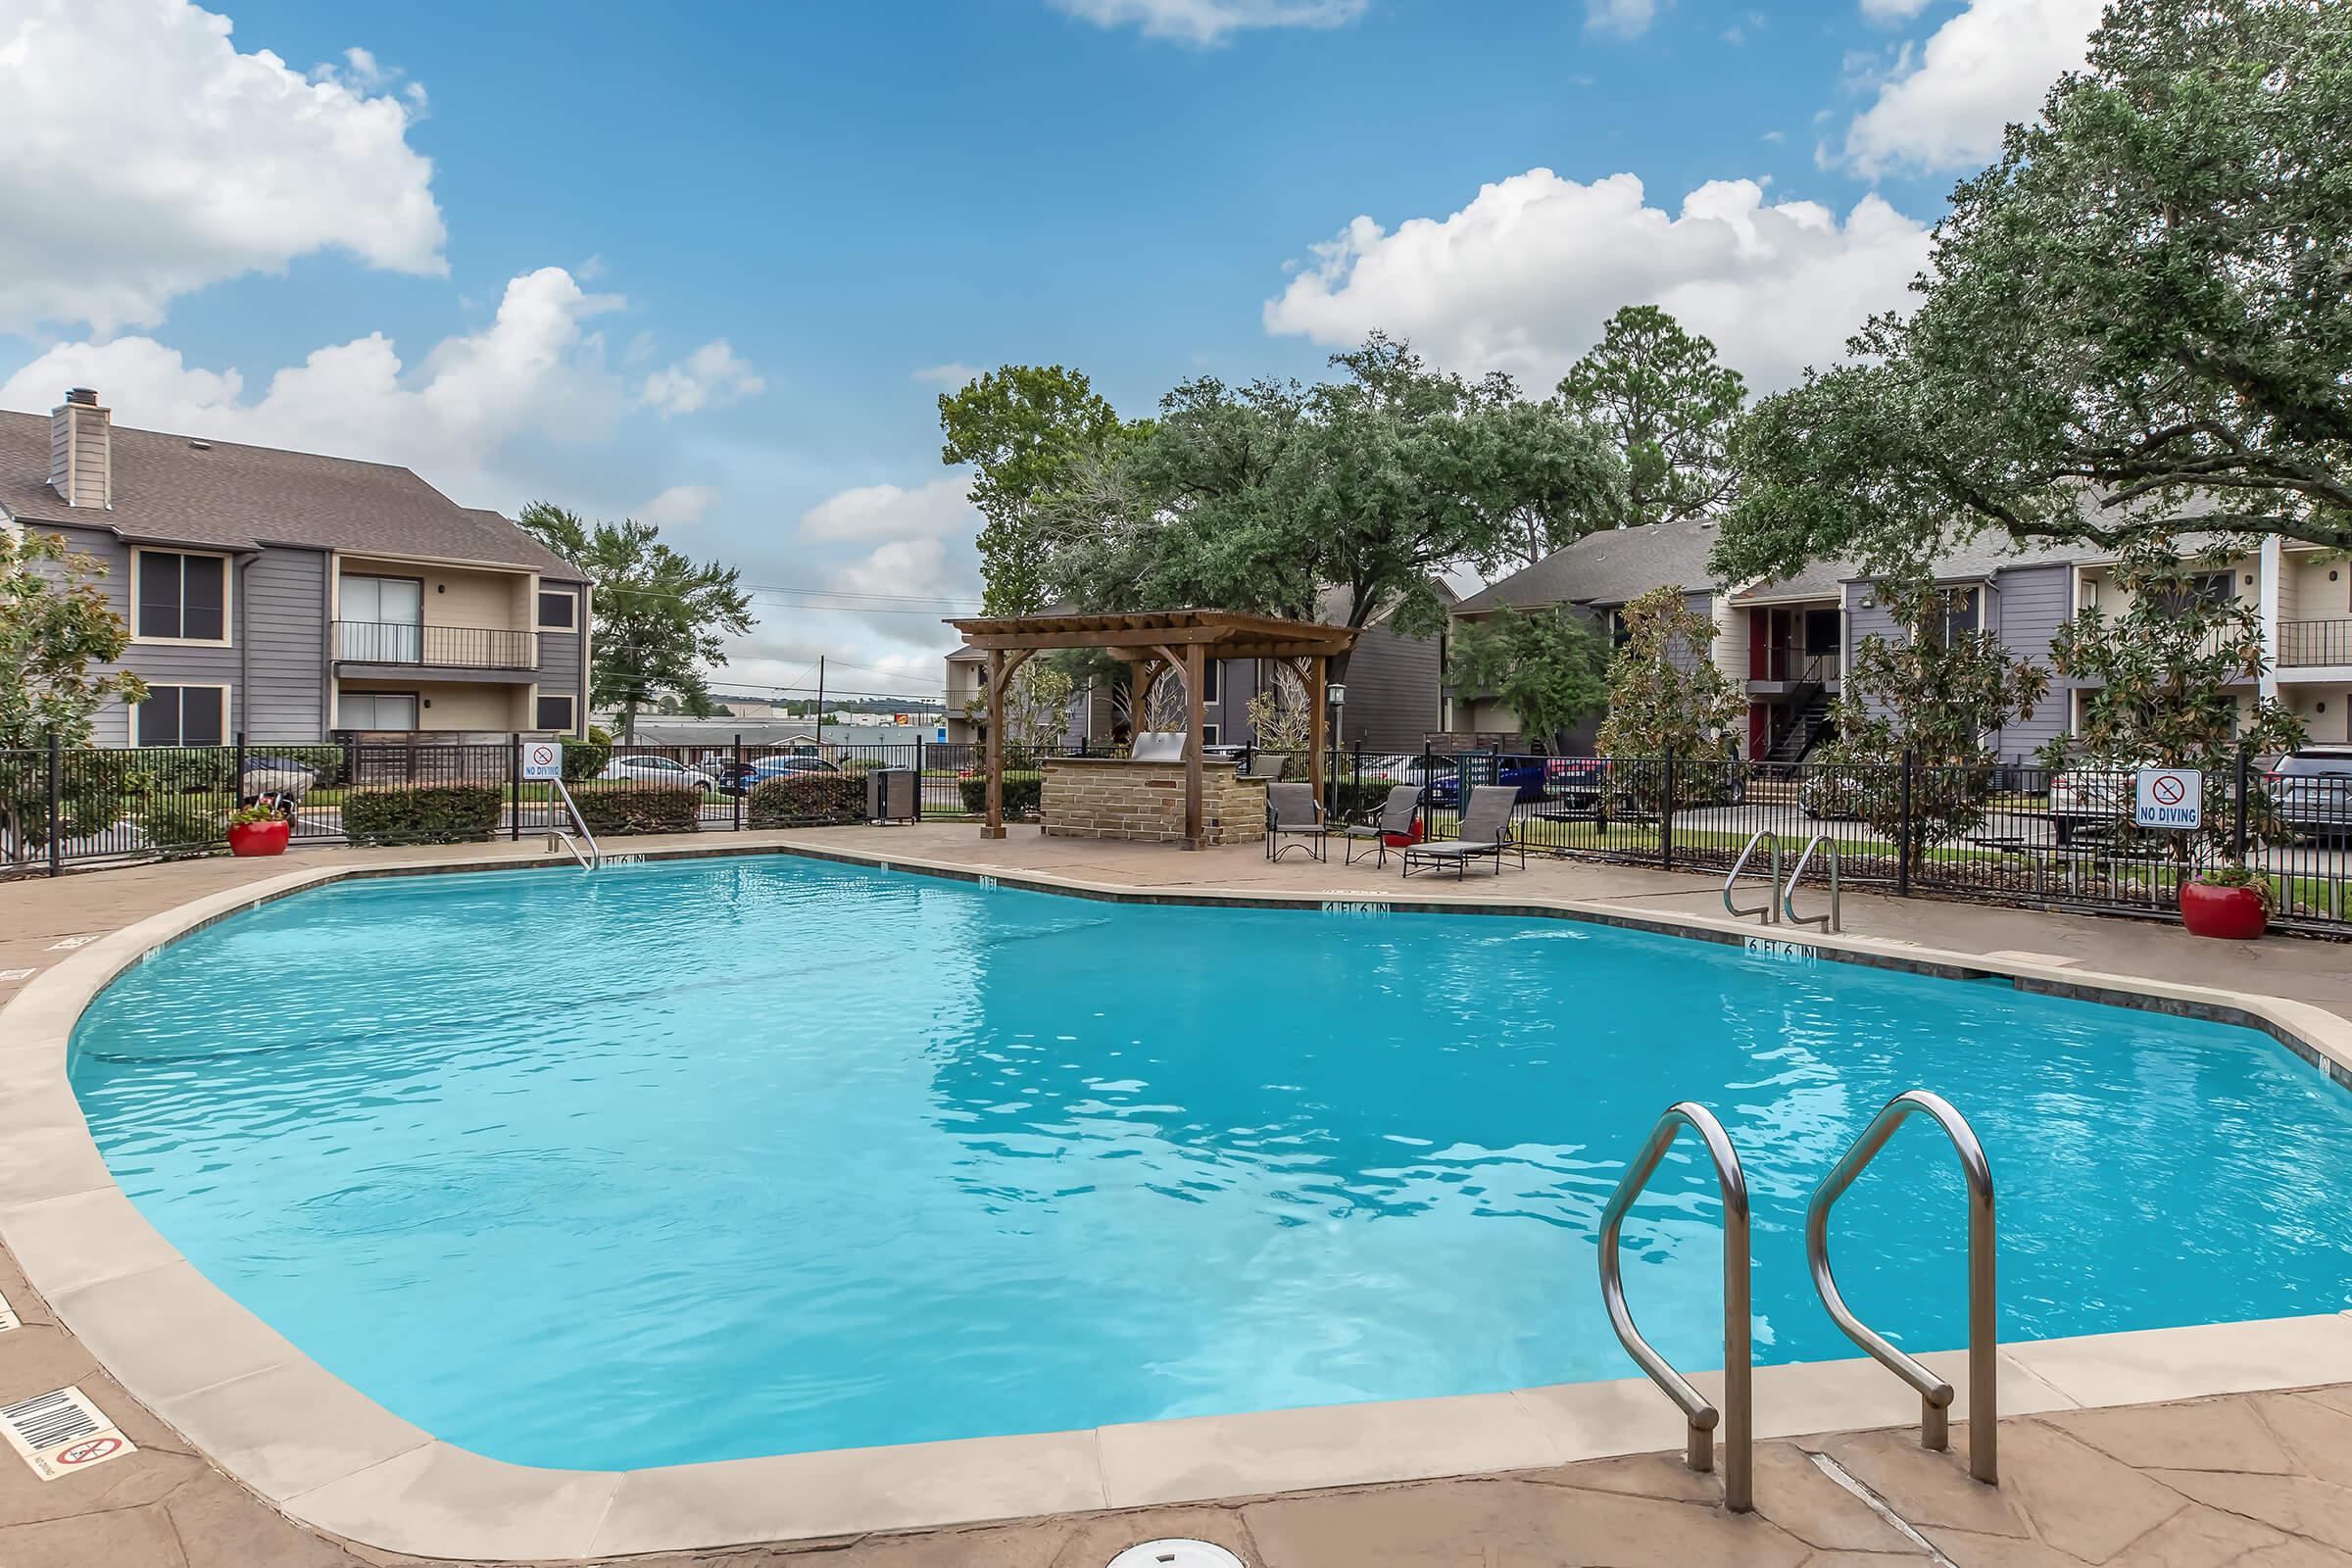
[1787, 642]
[289, 596]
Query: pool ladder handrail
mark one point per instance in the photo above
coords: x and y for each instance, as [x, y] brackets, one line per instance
[1984, 1376]
[1770, 909]
[1737, 1416]
[594, 860]
[1834, 917]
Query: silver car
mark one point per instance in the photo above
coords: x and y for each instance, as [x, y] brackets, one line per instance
[649, 770]
[2313, 791]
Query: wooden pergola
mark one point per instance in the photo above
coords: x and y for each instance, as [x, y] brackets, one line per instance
[1182, 640]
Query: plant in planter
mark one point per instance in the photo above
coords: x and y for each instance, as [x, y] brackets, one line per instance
[256, 830]
[2231, 902]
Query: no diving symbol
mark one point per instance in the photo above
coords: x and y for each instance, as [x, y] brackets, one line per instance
[90, 1452]
[542, 754]
[2168, 789]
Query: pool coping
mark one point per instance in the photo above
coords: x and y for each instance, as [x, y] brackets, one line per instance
[329, 1456]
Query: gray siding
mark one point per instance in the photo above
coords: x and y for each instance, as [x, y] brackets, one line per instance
[1392, 692]
[560, 667]
[281, 615]
[1680, 653]
[2032, 602]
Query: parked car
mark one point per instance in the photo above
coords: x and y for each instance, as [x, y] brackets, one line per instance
[1529, 775]
[1832, 794]
[734, 780]
[647, 769]
[2093, 798]
[2313, 791]
[281, 777]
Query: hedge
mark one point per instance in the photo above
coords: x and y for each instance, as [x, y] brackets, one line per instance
[801, 800]
[641, 809]
[421, 813]
[180, 824]
[1023, 792]
[583, 759]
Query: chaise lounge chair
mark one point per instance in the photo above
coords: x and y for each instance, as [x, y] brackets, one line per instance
[1484, 830]
[1395, 818]
[1294, 821]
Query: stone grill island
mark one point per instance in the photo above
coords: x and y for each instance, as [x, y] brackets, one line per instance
[1167, 793]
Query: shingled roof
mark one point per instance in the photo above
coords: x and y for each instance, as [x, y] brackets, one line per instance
[175, 489]
[1612, 567]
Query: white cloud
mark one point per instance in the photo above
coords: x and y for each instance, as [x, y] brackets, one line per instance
[954, 373]
[680, 506]
[710, 378]
[1208, 21]
[535, 371]
[1893, 11]
[1522, 279]
[147, 158]
[1944, 108]
[937, 510]
[1620, 19]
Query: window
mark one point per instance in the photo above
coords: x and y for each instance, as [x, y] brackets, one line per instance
[378, 710]
[559, 611]
[1210, 683]
[1208, 733]
[183, 715]
[554, 712]
[2191, 590]
[1962, 612]
[181, 598]
[382, 620]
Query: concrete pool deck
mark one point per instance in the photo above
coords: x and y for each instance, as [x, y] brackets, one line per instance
[2257, 1477]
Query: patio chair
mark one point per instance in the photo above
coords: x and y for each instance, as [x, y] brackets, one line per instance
[1294, 821]
[1485, 831]
[1395, 818]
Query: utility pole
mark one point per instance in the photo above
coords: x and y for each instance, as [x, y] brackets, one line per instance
[820, 705]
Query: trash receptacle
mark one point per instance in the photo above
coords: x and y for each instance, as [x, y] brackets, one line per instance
[890, 795]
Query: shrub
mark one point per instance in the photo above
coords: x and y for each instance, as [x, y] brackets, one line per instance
[801, 800]
[640, 808]
[181, 824]
[1023, 793]
[584, 759]
[421, 813]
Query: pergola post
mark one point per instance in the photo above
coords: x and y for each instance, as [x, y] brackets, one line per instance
[1194, 836]
[992, 826]
[1319, 720]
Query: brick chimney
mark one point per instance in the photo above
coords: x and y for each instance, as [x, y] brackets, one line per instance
[81, 450]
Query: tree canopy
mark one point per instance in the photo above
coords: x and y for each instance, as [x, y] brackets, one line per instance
[660, 620]
[1375, 482]
[1665, 692]
[1548, 666]
[1027, 430]
[2141, 312]
[1668, 405]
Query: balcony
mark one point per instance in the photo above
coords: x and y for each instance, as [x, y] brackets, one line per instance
[408, 645]
[2304, 644]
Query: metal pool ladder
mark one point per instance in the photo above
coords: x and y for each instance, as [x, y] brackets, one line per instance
[594, 858]
[1736, 1417]
[1770, 909]
[1935, 1394]
[1834, 918]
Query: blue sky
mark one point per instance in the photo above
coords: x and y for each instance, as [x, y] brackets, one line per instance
[707, 262]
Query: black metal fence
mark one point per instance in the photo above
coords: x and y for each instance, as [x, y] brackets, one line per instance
[1993, 832]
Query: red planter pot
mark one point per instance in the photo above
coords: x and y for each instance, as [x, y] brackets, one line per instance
[259, 838]
[2235, 914]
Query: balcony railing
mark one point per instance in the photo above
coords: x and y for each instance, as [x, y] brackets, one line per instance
[381, 642]
[2304, 642]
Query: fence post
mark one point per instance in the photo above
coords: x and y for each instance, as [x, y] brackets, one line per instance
[1666, 817]
[2238, 832]
[742, 788]
[57, 798]
[1902, 840]
[514, 786]
[918, 776]
[236, 781]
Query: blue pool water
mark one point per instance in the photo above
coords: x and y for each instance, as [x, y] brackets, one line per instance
[739, 1157]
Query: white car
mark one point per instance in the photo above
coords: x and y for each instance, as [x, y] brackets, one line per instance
[2094, 797]
[647, 769]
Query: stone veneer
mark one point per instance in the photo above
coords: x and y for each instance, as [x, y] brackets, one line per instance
[1111, 797]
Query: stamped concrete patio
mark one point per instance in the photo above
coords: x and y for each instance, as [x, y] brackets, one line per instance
[2090, 1475]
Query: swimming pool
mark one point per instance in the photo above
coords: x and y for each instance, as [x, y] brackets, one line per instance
[724, 1158]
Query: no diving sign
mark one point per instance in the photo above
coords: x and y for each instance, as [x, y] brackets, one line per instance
[542, 759]
[2170, 797]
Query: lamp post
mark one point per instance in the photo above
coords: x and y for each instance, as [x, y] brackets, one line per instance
[1337, 693]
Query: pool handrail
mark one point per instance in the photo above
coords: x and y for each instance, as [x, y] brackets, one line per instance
[1737, 1416]
[1770, 907]
[595, 857]
[1834, 918]
[1983, 1373]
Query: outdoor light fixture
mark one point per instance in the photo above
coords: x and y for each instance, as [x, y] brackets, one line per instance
[1338, 693]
